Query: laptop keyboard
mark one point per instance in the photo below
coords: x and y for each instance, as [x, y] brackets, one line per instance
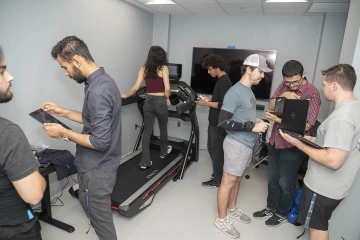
[293, 134]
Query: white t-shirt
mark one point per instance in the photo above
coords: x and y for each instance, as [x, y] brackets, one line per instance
[341, 130]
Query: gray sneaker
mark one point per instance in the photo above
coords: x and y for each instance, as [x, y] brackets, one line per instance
[227, 227]
[238, 215]
[169, 149]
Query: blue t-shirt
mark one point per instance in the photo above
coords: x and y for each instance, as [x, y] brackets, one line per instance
[240, 101]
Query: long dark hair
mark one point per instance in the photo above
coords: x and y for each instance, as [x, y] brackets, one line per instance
[157, 58]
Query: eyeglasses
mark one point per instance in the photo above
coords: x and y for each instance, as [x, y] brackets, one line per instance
[293, 83]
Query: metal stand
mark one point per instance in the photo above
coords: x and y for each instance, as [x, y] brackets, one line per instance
[45, 215]
[256, 158]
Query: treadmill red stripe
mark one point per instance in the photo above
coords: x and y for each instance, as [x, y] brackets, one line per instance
[115, 208]
[159, 183]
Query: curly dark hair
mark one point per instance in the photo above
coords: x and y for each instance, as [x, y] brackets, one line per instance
[156, 59]
[214, 61]
[70, 46]
[343, 74]
[292, 68]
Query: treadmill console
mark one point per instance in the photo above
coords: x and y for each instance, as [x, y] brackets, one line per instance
[175, 71]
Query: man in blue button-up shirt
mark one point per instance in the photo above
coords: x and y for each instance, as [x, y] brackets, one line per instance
[99, 144]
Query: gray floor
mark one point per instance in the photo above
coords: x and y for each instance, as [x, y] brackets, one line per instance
[180, 210]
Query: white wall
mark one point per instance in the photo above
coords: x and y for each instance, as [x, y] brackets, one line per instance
[356, 65]
[350, 37]
[294, 37]
[332, 37]
[117, 34]
[161, 31]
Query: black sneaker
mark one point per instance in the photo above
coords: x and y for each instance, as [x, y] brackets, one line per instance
[211, 184]
[275, 221]
[263, 214]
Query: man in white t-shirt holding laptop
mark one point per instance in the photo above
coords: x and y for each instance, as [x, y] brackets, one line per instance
[332, 170]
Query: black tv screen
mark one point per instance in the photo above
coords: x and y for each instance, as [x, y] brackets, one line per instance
[202, 82]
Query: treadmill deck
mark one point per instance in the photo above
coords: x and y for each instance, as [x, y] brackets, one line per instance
[131, 179]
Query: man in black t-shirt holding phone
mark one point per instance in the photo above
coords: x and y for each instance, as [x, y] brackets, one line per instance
[21, 184]
[215, 65]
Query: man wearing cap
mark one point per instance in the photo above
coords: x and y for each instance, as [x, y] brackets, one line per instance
[284, 160]
[238, 118]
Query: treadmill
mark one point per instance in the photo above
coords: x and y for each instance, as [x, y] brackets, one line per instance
[135, 188]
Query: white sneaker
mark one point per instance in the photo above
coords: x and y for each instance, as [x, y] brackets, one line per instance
[238, 215]
[169, 149]
[145, 167]
[227, 227]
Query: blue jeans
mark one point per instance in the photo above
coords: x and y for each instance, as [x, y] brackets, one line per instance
[283, 165]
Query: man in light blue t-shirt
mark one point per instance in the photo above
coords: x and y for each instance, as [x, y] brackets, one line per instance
[238, 118]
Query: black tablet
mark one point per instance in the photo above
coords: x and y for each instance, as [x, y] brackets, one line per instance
[44, 117]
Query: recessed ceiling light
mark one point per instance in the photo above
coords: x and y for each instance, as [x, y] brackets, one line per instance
[160, 2]
[288, 1]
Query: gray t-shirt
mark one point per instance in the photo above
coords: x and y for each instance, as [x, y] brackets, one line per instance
[341, 130]
[240, 101]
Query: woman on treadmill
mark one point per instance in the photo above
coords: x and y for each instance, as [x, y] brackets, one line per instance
[156, 76]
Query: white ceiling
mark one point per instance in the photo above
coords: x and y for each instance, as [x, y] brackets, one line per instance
[244, 7]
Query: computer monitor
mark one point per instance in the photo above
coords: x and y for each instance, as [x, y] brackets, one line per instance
[175, 71]
[202, 82]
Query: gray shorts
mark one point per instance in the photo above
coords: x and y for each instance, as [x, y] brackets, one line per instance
[237, 157]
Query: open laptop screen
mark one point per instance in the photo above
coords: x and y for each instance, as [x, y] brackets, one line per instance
[295, 115]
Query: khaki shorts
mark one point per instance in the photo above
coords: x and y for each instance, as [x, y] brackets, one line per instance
[237, 157]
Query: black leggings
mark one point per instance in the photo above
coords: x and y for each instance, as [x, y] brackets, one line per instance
[155, 106]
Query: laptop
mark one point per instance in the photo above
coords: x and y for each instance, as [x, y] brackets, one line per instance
[294, 119]
[279, 106]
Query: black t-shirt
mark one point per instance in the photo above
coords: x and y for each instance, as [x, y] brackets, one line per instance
[16, 162]
[223, 84]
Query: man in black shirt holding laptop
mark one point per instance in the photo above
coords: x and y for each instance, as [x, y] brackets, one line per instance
[216, 68]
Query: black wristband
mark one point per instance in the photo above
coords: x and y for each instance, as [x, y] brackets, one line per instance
[248, 126]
